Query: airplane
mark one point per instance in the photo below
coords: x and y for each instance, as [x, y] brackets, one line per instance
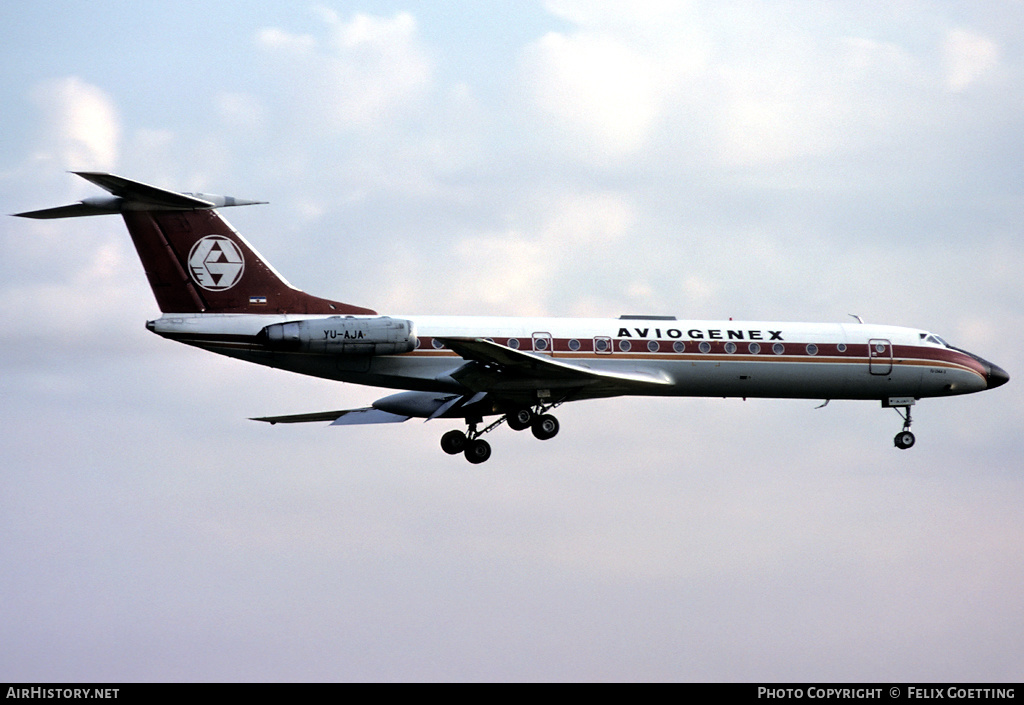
[217, 293]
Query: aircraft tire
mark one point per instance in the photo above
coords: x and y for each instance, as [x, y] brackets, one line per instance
[904, 440]
[545, 427]
[453, 442]
[520, 420]
[478, 451]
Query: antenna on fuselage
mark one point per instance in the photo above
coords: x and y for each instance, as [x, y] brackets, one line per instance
[859, 319]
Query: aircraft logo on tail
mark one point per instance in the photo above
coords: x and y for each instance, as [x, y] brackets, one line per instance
[216, 263]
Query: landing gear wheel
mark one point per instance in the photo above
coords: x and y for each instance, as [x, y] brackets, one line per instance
[520, 420]
[478, 451]
[904, 440]
[545, 427]
[453, 442]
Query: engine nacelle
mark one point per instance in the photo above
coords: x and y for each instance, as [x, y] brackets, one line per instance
[343, 336]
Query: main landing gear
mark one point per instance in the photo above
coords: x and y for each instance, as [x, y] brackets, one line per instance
[477, 450]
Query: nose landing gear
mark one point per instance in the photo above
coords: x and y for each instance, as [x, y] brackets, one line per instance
[904, 439]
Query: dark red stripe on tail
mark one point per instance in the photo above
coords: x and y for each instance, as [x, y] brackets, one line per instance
[197, 263]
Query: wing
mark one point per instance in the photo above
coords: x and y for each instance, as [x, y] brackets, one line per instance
[348, 417]
[491, 371]
[499, 369]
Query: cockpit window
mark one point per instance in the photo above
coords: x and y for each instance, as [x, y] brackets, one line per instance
[932, 338]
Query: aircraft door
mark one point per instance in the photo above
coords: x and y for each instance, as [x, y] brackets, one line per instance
[879, 356]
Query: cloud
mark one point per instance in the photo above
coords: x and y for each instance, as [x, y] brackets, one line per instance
[741, 88]
[815, 96]
[356, 74]
[240, 111]
[525, 270]
[81, 128]
[969, 57]
[280, 40]
[610, 82]
[598, 87]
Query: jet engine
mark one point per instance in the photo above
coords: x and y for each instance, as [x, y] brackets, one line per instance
[343, 336]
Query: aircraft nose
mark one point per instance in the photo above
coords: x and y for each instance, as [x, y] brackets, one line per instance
[997, 376]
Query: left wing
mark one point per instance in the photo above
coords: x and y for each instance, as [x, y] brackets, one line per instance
[348, 417]
[497, 368]
[490, 371]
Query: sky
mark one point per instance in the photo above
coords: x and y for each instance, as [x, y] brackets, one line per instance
[791, 160]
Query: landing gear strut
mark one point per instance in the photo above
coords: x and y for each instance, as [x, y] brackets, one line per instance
[904, 439]
[477, 450]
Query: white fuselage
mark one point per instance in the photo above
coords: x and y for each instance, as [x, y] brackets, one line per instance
[700, 358]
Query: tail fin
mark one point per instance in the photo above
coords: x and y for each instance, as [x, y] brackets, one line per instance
[194, 260]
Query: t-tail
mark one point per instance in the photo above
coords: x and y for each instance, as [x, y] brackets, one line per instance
[194, 260]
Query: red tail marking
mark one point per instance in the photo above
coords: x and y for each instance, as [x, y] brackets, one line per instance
[209, 278]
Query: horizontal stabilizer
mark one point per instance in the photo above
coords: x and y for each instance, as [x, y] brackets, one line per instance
[128, 195]
[138, 192]
[75, 210]
[347, 417]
